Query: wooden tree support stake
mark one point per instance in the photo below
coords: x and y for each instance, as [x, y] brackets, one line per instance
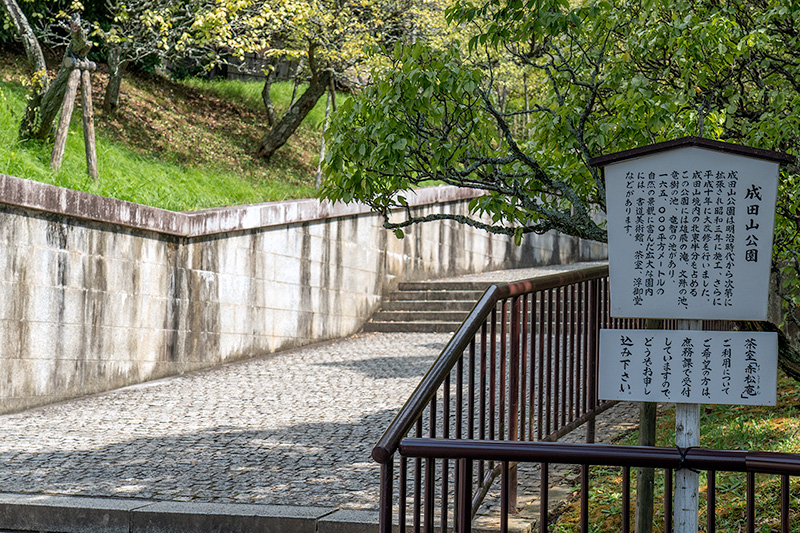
[81, 75]
[63, 121]
[88, 123]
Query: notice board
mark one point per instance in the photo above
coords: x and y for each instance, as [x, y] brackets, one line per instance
[690, 234]
[685, 366]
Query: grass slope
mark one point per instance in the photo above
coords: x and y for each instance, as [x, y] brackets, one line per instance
[178, 146]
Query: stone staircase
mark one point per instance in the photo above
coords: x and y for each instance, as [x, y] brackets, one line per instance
[427, 306]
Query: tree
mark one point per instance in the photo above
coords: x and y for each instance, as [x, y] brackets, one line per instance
[46, 97]
[432, 116]
[40, 82]
[331, 37]
[140, 29]
[609, 76]
[328, 37]
[182, 33]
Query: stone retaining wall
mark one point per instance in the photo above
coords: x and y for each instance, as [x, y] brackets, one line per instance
[100, 293]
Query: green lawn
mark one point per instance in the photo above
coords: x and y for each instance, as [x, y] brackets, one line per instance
[177, 146]
[249, 94]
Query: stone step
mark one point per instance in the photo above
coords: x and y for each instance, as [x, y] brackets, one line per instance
[427, 306]
[479, 286]
[464, 306]
[419, 316]
[411, 327]
[468, 295]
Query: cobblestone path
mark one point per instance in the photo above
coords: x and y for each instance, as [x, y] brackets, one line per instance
[295, 428]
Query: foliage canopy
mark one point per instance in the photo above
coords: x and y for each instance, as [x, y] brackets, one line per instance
[598, 78]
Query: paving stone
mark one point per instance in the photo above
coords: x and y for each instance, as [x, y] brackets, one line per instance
[176, 517]
[65, 513]
[263, 431]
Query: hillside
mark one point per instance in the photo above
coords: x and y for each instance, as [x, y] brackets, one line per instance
[171, 145]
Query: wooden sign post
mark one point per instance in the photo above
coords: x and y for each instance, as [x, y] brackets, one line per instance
[687, 435]
[690, 226]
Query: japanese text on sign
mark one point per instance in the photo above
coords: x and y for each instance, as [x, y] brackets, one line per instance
[684, 226]
[710, 367]
[690, 236]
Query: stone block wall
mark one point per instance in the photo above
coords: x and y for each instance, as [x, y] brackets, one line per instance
[100, 294]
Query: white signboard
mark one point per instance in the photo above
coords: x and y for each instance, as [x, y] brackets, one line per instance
[690, 235]
[684, 366]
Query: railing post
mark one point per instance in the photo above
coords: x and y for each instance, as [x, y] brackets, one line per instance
[626, 499]
[750, 526]
[402, 490]
[513, 400]
[711, 499]
[784, 504]
[505, 490]
[668, 493]
[387, 486]
[585, 498]
[592, 348]
[430, 475]
[464, 516]
[544, 496]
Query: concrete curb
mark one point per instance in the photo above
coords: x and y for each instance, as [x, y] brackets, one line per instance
[76, 514]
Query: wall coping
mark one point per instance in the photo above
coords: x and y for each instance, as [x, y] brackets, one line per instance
[59, 200]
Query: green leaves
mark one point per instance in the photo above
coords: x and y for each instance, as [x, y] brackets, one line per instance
[515, 20]
[546, 86]
[414, 124]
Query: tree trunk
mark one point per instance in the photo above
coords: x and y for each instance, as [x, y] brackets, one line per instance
[278, 136]
[44, 115]
[88, 123]
[40, 81]
[116, 70]
[318, 180]
[297, 73]
[29, 41]
[267, 99]
[63, 122]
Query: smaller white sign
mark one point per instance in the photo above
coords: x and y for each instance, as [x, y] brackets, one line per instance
[710, 367]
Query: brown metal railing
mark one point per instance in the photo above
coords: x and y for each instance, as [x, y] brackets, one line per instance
[466, 452]
[522, 367]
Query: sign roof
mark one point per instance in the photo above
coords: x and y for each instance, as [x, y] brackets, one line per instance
[699, 142]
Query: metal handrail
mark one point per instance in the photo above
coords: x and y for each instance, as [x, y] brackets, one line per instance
[604, 455]
[671, 460]
[444, 364]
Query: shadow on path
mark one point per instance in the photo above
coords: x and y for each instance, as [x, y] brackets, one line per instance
[324, 464]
